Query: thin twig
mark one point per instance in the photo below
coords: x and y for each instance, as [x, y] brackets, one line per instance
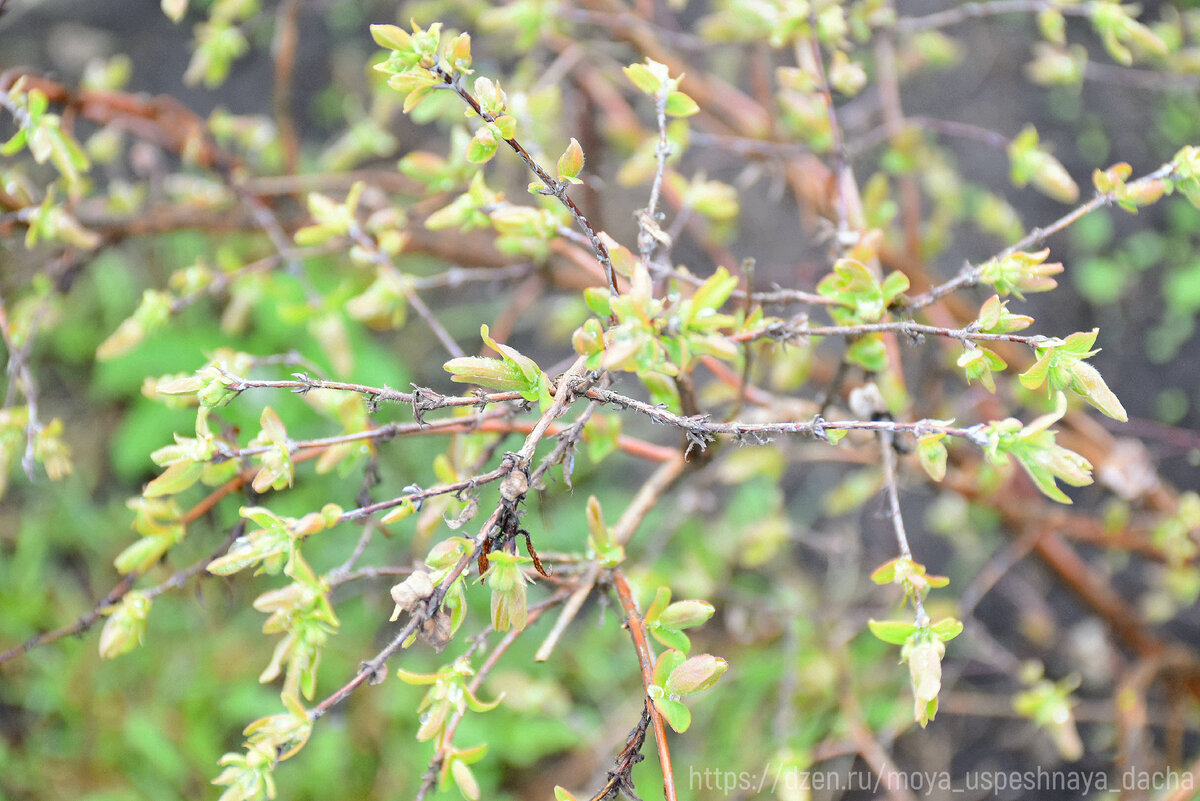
[789, 331]
[372, 669]
[849, 211]
[381, 259]
[568, 440]
[637, 630]
[557, 189]
[620, 778]
[338, 579]
[96, 613]
[1142, 80]
[563, 396]
[893, 498]
[85, 621]
[967, 11]
[875, 755]
[426, 399]
[380, 433]
[649, 232]
[699, 427]
[969, 275]
[419, 496]
[269, 223]
[21, 378]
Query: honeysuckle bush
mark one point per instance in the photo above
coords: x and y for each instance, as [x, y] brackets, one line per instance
[462, 374]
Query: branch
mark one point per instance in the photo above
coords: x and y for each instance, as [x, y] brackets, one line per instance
[637, 630]
[700, 428]
[287, 35]
[554, 188]
[381, 259]
[953, 16]
[849, 205]
[90, 618]
[568, 439]
[799, 328]
[22, 379]
[969, 275]
[649, 231]
[620, 778]
[372, 669]
[893, 497]
[951, 128]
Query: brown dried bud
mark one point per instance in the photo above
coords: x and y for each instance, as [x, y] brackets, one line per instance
[408, 593]
[515, 485]
[436, 631]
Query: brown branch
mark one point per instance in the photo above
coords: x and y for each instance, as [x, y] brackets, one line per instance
[620, 777]
[381, 259]
[722, 105]
[637, 630]
[85, 621]
[90, 618]
[287, 36]
[1019, 513]
[161, 119]
[864, 743]
[894, 123]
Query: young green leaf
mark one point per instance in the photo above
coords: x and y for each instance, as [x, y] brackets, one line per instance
[174, 480]
[1031, 164]
[126, 625]
[895, 632]
[681, 105]
[570, 163]
[1039, 455]
[511, 372]
[931, 452]
[678, 716]
[995, 318]
[650, 76]
[696, 674]
[979, 363]
[483, 145]
[1061, 362]
[1020, 272]
[390, 37]
[666, 663]
[925, 669]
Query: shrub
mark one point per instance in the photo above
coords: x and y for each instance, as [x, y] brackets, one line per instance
[744, 323]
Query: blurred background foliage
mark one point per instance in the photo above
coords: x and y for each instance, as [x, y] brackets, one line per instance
[781, 539]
